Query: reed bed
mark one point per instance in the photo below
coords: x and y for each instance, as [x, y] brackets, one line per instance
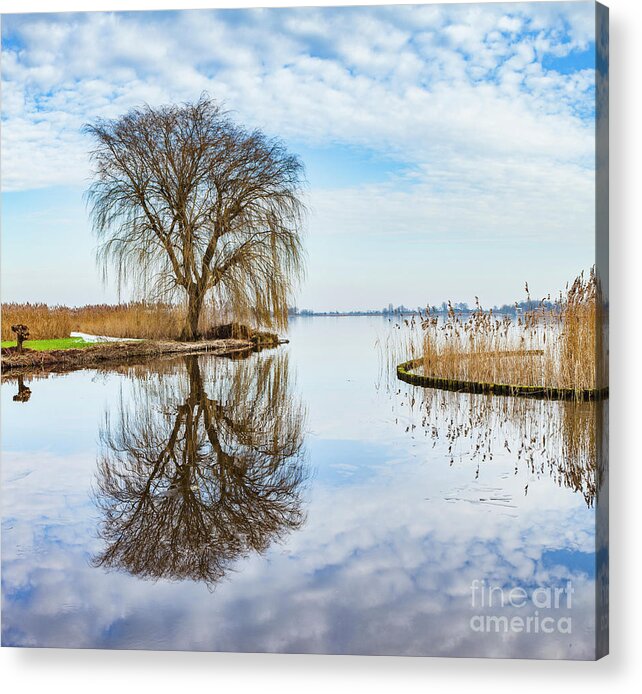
[135, 320]
[554, 345]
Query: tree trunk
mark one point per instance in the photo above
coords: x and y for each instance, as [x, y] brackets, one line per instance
[194, 307]
[22, 334]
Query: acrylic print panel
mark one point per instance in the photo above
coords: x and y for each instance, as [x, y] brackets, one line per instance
[304, 330]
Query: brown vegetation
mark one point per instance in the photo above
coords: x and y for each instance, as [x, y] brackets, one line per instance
[135, 320]
[552, 346]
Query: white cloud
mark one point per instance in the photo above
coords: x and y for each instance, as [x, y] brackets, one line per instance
[495, 144]
[406, 79]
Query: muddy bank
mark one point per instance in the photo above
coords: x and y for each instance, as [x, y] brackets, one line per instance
[30, 361]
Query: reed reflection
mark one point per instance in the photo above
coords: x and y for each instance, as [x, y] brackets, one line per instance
[204, 465]
[554, 438]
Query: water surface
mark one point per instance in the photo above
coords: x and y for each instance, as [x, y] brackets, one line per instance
[295, 501]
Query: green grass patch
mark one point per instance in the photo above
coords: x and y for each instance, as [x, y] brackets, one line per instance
[46, 345]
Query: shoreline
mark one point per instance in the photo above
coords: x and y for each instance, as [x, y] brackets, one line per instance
[405, 373]
[14, 364]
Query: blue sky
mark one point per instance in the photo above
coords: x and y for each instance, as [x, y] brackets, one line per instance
[449, 149]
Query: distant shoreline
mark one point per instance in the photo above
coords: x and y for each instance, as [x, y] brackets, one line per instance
[416, 312]
[355, 314]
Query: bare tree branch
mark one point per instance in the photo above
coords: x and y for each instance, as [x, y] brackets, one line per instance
[189, 205]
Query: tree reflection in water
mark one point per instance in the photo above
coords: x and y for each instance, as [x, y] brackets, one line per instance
[204, 465]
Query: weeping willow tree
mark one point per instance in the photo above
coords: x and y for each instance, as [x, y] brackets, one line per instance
[189, 205]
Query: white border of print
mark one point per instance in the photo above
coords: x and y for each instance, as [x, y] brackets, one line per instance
[49, 671]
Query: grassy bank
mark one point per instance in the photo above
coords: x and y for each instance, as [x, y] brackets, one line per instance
[50, 345]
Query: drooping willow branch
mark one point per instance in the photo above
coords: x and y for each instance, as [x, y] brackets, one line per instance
[187, 204]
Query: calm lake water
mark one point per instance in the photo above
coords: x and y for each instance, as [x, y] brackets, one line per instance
[295, 501]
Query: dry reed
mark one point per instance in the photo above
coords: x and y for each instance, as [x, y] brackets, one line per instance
[135, 320]
[553, 345]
